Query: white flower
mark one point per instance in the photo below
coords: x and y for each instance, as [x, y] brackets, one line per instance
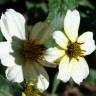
[20, 53]
[71, 49]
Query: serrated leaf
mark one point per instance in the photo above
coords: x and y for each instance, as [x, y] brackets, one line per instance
[59, 7]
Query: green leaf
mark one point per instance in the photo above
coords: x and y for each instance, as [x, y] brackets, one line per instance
[57, 11]
[59, 8]
[71, 4]
[7, 88]
[1, 37]
[29, 5]
[2, 70]
[56, 82]
[3, 1]
[14, 1]
[71, 81]
[86, 3]
[92, 77]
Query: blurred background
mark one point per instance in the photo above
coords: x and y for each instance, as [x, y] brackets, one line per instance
[51, 11]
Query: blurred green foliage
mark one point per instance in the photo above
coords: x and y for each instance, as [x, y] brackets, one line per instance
[8, 88]
[92, 77]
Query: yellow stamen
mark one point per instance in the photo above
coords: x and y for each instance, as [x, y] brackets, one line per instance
[32, 50]
[30, 90]
[74, 50]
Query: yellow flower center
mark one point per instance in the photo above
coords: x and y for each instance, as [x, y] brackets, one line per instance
[32, 50]
[74, 50]
[30, 90]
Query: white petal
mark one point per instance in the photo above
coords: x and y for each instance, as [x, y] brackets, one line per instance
[43, 78]
[71, 24]
[75, 71]
[12, 24]
[5, 54]
[88, 42]
[36, 73]
[53, 54]
[64, 72]
[84, 66]
[3, 28]
[20, 21]
[8, 60]
[60, 39]
[14, 73]
[79, 70]
[5, 48]
[42, 83]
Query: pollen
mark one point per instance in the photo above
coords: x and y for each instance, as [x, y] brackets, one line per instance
[74, 50]
[31, 90]
[32, 50]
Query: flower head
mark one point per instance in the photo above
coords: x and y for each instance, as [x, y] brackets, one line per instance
[71, 49]
[21, 53]
[31, 90]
